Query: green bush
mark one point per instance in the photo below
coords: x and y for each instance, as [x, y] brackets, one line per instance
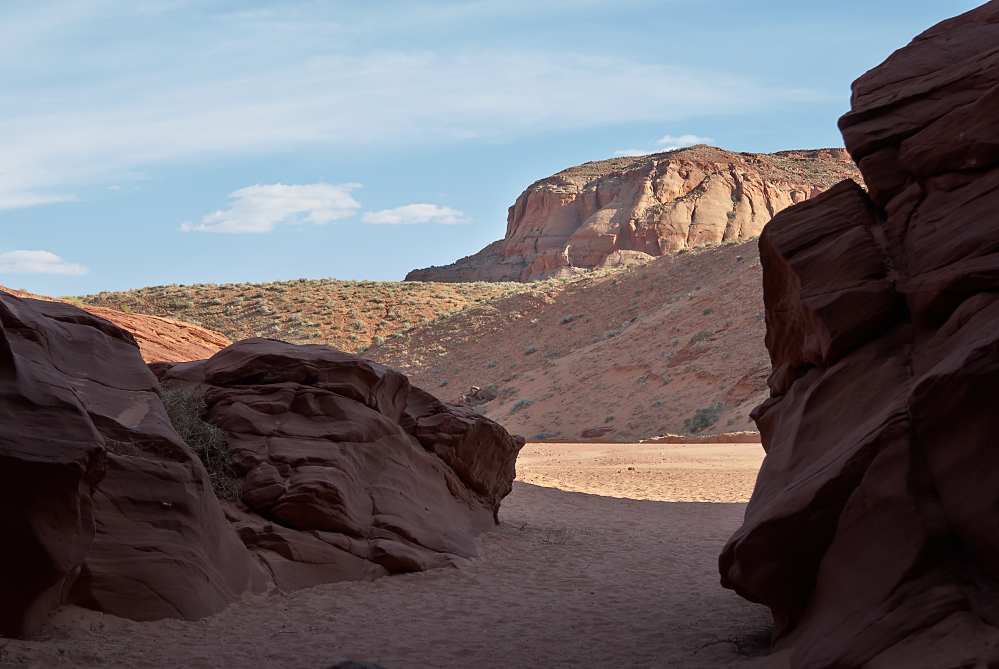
[530, 349]
[522, 403]
[704, 417]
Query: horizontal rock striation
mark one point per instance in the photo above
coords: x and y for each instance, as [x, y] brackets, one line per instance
[614, 212]
[871, 533]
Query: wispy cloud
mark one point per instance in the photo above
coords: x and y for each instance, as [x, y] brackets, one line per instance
[238, 86]
[416, 213]
[38, 262]
[667, 143]
[260, 208]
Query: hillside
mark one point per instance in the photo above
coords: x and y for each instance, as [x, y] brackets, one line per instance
[608, 213]
[348, 315]
[622, 354]
[159, 339]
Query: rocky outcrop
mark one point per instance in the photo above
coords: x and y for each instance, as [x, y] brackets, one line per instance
[348, 473]
[871, 531]
[347, 470]
[100, 502]
[615, 212]
[165, 339]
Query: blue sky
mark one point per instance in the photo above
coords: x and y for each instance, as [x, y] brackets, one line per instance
[183, 141]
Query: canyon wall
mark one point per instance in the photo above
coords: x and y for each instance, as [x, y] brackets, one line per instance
[871, 533]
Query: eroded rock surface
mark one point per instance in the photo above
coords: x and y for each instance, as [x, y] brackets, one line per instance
[100, 502]
[614, 212]
[871, 533]
[348, 471]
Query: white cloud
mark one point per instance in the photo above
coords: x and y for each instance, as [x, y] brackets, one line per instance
[260, 208]
[38, 262]
[634, 152]
[416, 213]
[669, 142]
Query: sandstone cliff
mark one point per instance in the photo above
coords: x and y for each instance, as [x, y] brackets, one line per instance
[871, 533]
[613, 212]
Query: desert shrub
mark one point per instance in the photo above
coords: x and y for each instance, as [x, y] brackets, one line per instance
[357, 325]
[552, 353]
[443, 383]
[522, 403]
[700, 336]
[379, 340]
[479, 409]
[491, 363]
[708, 310]
[704, 417]
[611, 333]
[565, 319]
[126, 309]
[608, 419]
[185, 409]
[530, 349]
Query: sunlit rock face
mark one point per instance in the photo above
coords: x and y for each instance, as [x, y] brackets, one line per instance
[615, 212]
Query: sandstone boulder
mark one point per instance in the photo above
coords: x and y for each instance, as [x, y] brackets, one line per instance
[615, 212]
[100, 502]
[347, 470]
[871, 533]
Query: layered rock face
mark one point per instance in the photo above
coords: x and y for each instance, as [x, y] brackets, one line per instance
[613, 212]
[347, 470]
[349, 473]
[101, 503]
[871, 533]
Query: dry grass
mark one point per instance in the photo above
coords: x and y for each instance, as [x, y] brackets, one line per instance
[186, 409]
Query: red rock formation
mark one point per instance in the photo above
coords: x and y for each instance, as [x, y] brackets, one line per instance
[612, 212]
[165, 339]
[100, 501]
[871, 534]
[348, 471]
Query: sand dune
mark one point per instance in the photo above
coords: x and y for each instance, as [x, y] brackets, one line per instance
[593, 565]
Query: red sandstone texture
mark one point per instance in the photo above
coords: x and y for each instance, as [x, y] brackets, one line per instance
[101, 503]
[614, 212]
[159, 339]
[871, 533]
[348, 473]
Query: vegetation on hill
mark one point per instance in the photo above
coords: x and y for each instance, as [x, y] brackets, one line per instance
[348, 315]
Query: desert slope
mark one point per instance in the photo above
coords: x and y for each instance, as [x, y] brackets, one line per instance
[624, 354]
[612, 212]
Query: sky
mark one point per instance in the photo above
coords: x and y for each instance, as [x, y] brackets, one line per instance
[214, 141]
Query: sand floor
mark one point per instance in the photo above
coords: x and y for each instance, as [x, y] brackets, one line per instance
[594, 565]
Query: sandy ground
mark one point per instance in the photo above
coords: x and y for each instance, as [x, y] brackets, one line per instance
[593, 565]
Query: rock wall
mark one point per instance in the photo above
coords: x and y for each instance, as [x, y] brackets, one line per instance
[101, 503]
[613, 212]
[871, 533]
